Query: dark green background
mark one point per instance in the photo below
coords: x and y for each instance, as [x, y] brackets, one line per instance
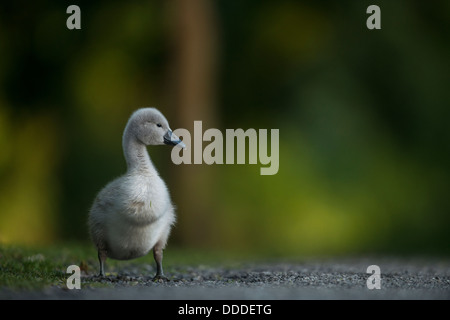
[363, 118]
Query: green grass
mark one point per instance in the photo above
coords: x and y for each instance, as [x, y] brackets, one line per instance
[28, 268]
[32, 268]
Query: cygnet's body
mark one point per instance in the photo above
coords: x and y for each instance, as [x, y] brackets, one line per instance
[134, 213]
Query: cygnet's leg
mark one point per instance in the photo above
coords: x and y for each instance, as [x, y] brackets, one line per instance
[158, 256]
[102, 259]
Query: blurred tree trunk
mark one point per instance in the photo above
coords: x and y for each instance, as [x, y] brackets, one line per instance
[192, 96]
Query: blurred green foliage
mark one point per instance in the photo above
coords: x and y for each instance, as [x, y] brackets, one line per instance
[363, 118]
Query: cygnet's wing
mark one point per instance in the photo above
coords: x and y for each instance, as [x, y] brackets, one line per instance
[106, 202]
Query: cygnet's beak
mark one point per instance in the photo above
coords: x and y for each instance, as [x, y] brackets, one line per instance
[171, 139]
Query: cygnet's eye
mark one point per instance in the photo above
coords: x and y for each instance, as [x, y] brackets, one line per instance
[159, 125]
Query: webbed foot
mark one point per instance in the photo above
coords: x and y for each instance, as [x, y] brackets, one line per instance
[160, 278]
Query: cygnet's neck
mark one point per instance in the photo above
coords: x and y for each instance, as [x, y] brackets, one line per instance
[136, 154]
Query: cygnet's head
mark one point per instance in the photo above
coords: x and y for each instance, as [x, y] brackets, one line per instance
[150, 127]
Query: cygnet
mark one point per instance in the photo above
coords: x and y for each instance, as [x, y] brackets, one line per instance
[133, 214]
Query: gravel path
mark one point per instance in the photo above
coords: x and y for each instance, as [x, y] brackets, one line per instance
[343, 279]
